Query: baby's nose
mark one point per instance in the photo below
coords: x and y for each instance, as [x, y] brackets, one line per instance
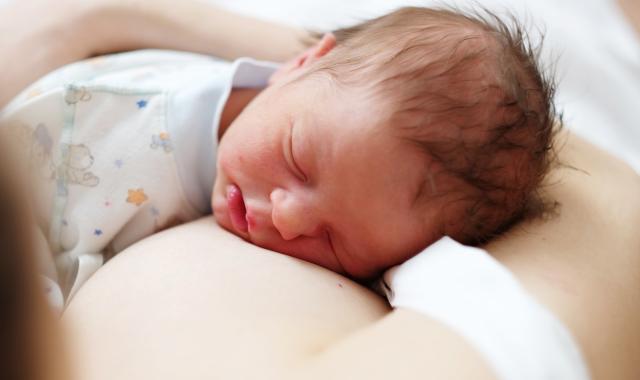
[292, 216]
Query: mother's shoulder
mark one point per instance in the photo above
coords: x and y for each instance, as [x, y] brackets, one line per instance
[583, 262]
[606, 187]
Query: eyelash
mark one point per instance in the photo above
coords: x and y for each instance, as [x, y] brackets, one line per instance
[296, 168]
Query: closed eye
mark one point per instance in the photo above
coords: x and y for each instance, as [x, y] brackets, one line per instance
[292, 161]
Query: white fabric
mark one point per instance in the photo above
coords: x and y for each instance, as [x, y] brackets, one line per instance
[120, 147]
[466, 289]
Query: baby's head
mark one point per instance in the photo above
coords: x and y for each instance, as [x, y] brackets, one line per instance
[383, 137]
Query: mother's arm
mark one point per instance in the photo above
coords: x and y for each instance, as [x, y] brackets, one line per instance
[38, 36]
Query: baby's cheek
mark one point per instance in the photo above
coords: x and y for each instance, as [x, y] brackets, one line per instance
[228, 160]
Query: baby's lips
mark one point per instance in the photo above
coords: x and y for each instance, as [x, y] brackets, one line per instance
[251, 221]
[237, 209]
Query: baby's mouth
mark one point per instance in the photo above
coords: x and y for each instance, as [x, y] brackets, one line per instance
[237, 209]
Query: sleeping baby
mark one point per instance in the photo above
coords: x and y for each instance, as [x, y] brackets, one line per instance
[375, 142]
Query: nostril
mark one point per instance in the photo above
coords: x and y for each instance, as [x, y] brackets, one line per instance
[291, 216]
[288, 235]
[283, 224]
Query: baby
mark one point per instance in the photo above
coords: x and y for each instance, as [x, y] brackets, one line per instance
[375, 142]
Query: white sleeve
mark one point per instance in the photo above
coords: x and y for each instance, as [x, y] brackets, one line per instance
[469, 291]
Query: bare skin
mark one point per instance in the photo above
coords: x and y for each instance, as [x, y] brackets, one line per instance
[215, 296]
[172, 308]
[228, 309]
[584, 264]
[632, 9]
[71, 30]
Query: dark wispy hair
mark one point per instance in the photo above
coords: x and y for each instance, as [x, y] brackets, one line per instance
[466, 87]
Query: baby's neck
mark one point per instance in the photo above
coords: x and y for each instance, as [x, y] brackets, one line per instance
[238, 99]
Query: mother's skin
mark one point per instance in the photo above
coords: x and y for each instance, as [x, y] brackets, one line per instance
[197, 302]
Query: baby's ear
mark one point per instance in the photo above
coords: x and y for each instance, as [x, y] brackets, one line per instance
[315, 52]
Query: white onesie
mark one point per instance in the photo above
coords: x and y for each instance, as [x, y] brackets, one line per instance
[469, 291]
[119, 147]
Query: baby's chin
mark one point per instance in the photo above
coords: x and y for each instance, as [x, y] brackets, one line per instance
[352, 266]
[365, 271]
[364, 274]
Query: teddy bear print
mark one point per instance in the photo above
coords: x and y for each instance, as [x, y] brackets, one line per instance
[74, 168]
[74, 94]
[162, 140]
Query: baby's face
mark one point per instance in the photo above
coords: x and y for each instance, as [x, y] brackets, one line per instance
[311, 173]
